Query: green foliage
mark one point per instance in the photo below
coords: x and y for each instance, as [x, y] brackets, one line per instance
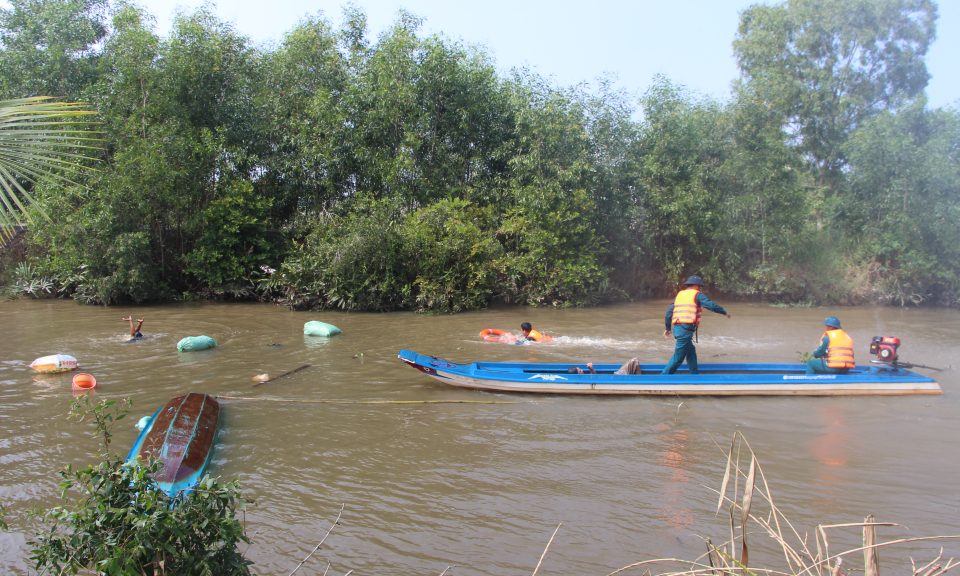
[904, 206]
[403, 172]
[50, 47]
[233, 244]
[122, 524]
[455, 255]
[38, 139]
[27, 281]
[354, 260]
[825, 66]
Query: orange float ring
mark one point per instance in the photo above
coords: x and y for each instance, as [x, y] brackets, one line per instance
[494, 335]
[83, 382]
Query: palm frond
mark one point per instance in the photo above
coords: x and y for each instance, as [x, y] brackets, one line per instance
[39, 138]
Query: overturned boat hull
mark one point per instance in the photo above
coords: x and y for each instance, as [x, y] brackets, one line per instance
[713, 379]
[181, 436]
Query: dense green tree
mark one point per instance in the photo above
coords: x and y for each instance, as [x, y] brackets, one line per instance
[404, 172]
[685, 142]
[50, 47]
[825, 66]
[904, 202]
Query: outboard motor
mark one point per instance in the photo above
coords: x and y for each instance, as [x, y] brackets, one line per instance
[885, 348]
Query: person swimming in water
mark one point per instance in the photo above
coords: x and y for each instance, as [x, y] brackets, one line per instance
[530, 334]
[134, 332]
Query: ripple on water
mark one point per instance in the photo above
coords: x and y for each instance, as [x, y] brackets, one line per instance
[484, 486]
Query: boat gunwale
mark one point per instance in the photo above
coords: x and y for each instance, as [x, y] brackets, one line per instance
[862, 380]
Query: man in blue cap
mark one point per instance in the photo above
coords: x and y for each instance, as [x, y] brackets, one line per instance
[684, 317]
[835, 354]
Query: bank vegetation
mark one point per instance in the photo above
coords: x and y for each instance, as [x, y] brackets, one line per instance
[337, 170]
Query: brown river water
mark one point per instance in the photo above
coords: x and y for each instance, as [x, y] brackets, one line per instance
[483, 486]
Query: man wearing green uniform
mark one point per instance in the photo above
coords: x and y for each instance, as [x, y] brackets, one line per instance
[684, 316]
[835, 354]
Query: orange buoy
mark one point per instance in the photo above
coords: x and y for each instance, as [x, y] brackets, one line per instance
[494, 335]
[83, 382]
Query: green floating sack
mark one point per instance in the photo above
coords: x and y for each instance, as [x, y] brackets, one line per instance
[314, 328]
[194, 343]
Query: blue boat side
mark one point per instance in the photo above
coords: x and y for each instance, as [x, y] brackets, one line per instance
[132, 454]
[710, 374]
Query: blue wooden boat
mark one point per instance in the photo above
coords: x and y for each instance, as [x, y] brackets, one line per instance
[713, 379]
[181, 435]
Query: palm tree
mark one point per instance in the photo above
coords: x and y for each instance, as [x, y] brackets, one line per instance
[39, 138]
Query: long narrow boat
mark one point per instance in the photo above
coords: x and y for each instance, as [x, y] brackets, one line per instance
[181, 435]
[713, 379]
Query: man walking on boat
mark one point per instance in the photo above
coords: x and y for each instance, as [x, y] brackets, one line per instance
[835, 354]
[684, 317]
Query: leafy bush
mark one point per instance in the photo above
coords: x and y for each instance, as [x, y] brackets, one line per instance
[123, 524]
[454, 255]
[355, 260]
[233, 244]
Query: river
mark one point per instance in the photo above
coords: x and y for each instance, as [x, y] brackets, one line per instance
[483, 486]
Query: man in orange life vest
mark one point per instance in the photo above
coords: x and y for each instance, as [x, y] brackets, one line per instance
[684, 317]
[530, 334]
[835, 354]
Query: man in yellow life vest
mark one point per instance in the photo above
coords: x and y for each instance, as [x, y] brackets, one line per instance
[683, 316]
[835, 354]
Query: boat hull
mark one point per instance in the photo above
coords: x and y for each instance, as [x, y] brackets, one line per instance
[181, 436]
[713, 380]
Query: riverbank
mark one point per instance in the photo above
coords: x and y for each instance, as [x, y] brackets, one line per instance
[835, 281]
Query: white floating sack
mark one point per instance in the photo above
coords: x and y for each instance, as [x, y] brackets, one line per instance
[55, 363]
[314, 328]
[194, 343]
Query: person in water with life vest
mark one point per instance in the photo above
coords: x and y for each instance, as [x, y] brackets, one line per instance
[684, 317]
[530, 334]
[835, 354]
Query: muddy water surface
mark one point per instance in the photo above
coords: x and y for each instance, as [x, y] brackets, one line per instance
[483, 486]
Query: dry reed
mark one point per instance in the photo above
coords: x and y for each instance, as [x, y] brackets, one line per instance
[800, 559]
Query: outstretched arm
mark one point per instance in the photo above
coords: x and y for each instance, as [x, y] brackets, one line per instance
[710, 305]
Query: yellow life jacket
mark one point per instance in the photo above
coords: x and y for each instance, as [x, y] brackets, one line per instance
[839, 349]
[685, 307]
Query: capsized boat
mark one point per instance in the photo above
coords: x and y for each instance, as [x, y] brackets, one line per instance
[713, 379]
[181, 435]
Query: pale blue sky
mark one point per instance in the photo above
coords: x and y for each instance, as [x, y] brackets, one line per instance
[688, 40]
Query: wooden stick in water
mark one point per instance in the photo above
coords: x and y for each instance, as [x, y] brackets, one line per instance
[282, 375]
[372, 401]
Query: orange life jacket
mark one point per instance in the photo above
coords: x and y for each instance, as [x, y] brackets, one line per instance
[839, 349]
[534, 335]
[685, 307]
